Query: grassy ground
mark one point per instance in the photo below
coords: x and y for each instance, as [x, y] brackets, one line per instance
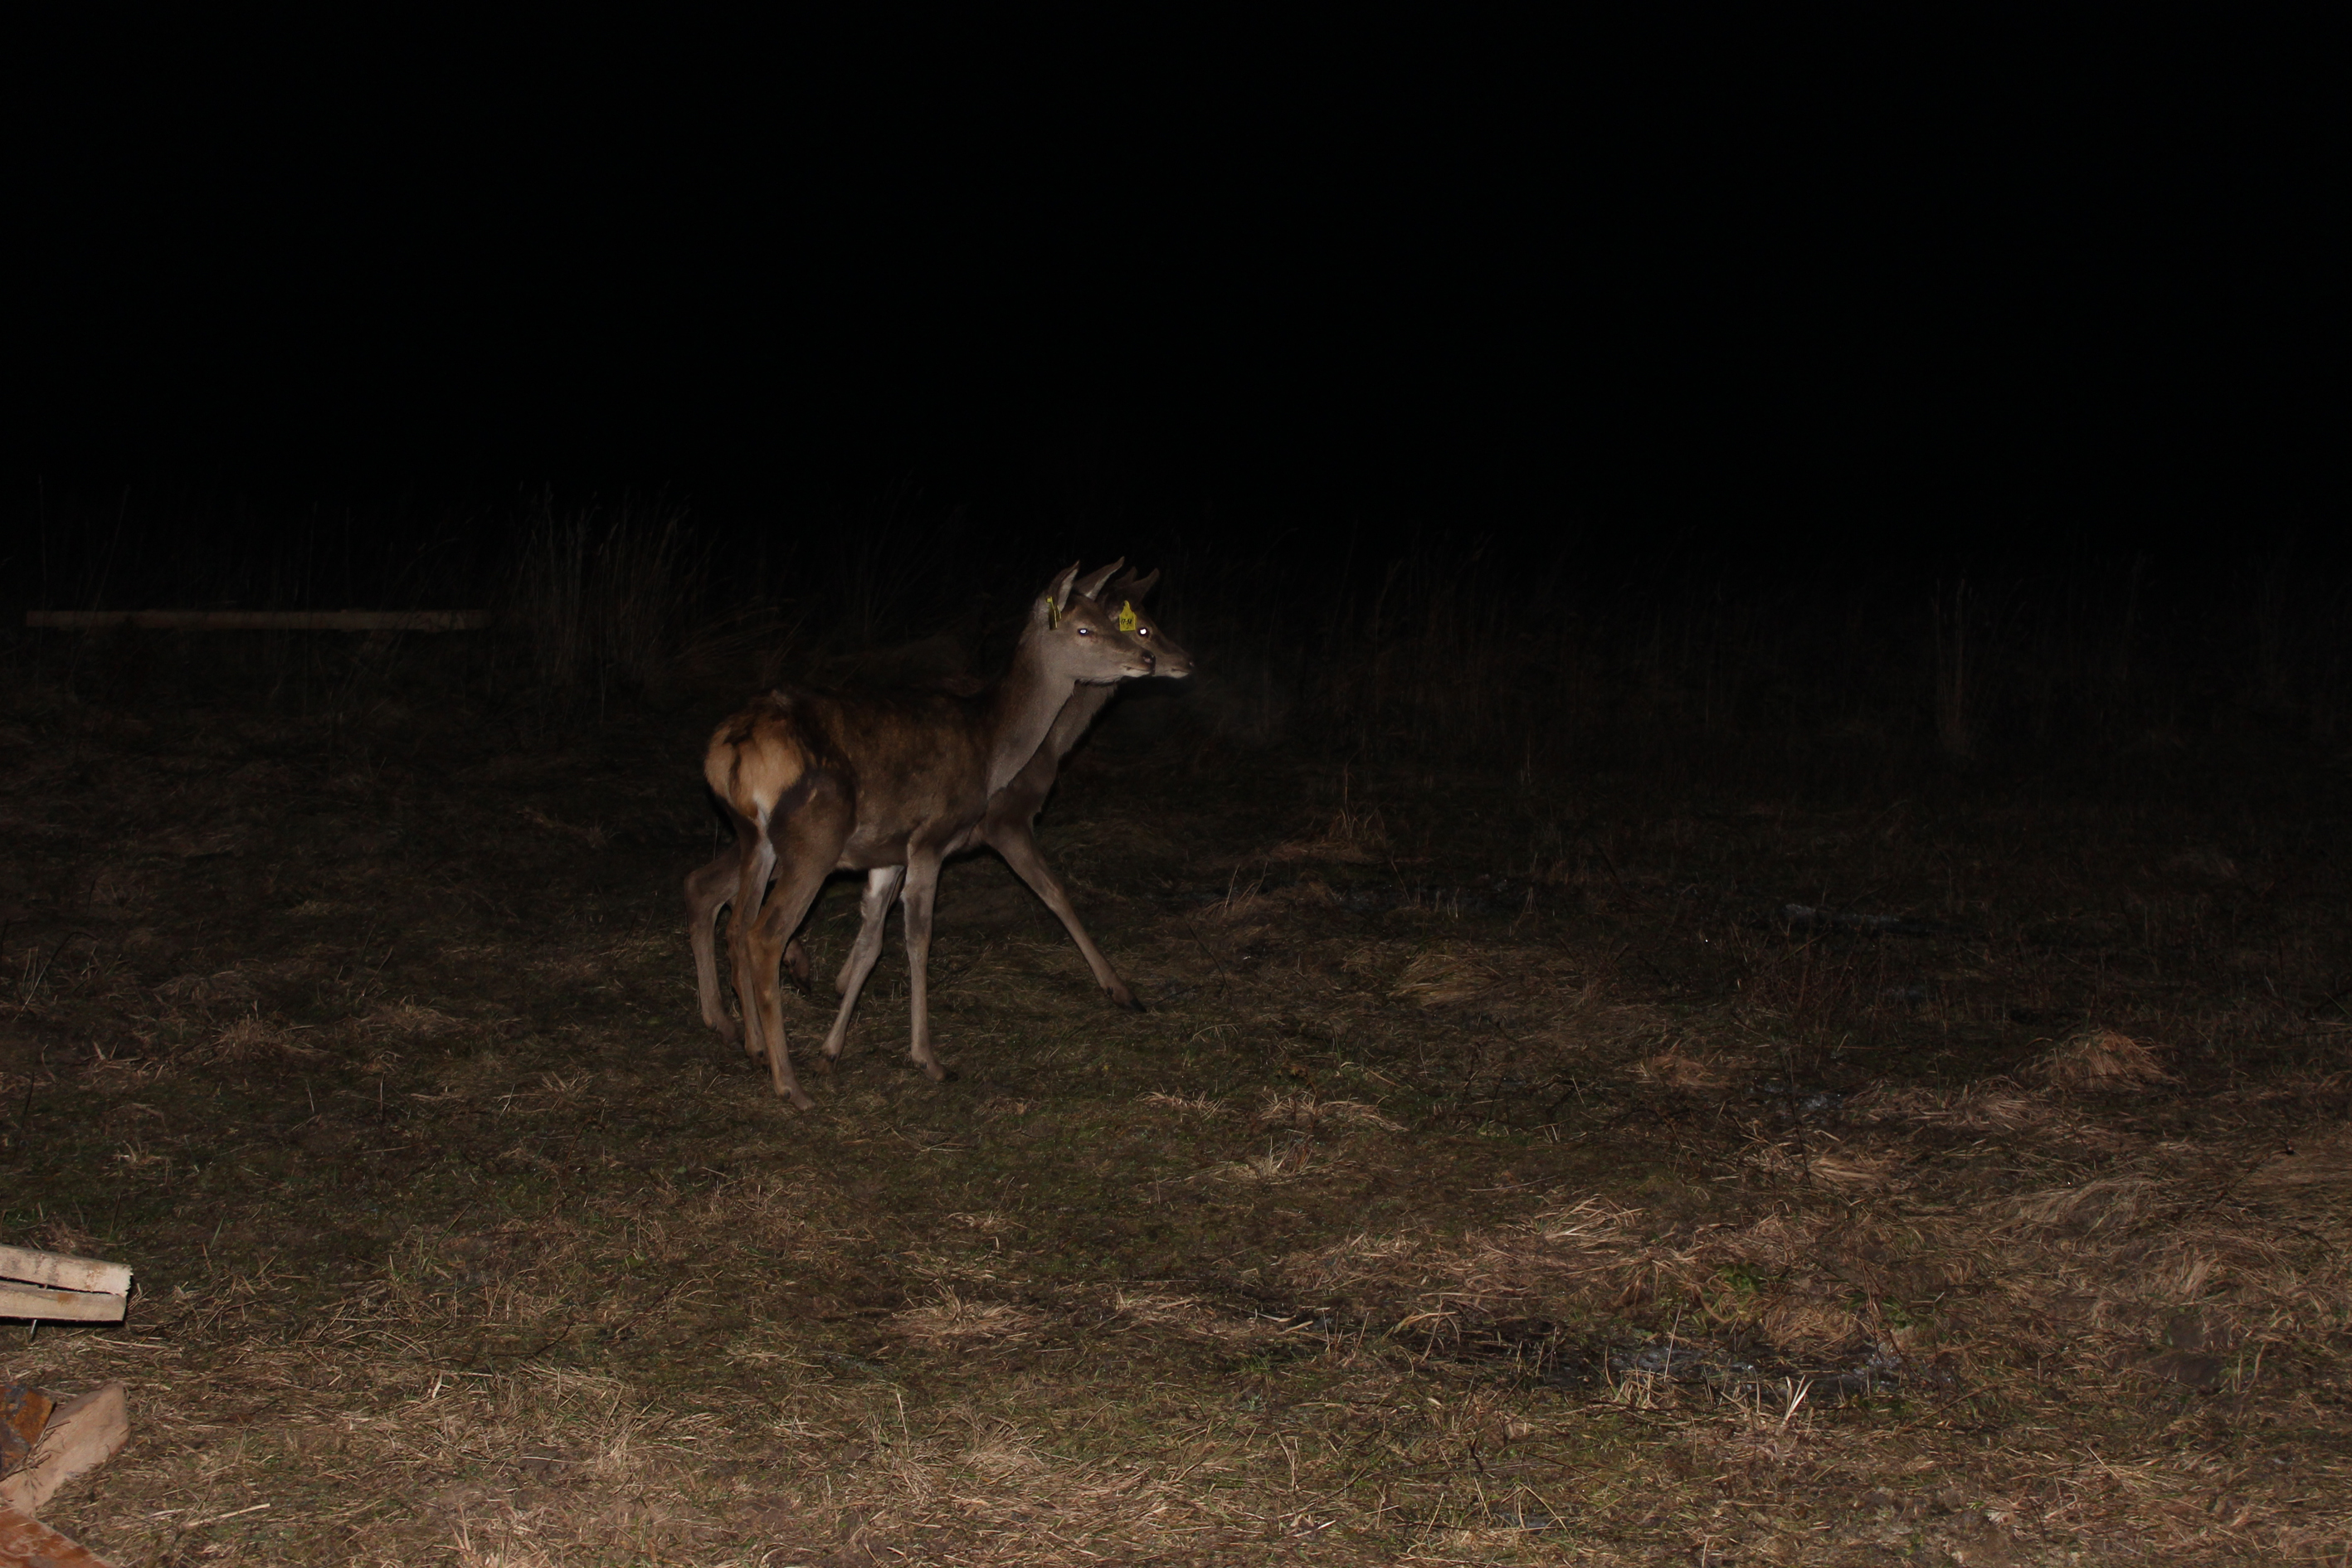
[1627, 1166]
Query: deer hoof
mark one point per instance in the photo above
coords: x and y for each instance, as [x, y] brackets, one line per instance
[800, 1101]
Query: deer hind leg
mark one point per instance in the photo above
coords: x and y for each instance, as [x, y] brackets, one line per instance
[755, 862]
[922, 883]
[795, 891]
[1020, 852]
[806, 845]
[708, 891]
[881, 892]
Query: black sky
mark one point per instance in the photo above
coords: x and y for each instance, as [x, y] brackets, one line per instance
[1781, 282]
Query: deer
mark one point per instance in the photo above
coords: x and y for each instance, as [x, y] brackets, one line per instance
[1009, 828]
[889, 785]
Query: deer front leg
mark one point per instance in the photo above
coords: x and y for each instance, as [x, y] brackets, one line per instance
[708, 891]
[922, 883]
[881, 891]
[1020, 852]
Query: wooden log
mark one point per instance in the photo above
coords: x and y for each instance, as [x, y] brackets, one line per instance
[26, 1543]
[264, 620]
[85, 1431]
[63, 1271]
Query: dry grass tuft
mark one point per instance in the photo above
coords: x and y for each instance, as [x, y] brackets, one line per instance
[1678, 1068]
[410, 1020]
[1445, 975]
[1198, 1105]
[590, 835]
[2317, 1160]
[1853, 1172]
[951, 1320]
[1994, 1105]
[2098, 1060]
[229, 986]
[1300, 1109]
[255, 1038]
[1355, 836]
[2107, 1204]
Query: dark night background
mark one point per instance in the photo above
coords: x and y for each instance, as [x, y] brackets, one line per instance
[1807, 301]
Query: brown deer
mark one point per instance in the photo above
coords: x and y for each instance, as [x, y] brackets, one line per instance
[888, 785]
[1010, 826]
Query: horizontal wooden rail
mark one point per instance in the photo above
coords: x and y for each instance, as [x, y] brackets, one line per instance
[265, 620]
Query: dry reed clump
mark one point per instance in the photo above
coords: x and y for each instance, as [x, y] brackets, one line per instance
[2096, 1060]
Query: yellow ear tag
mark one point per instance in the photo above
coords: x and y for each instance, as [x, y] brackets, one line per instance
[1127, 615]
[1053, 614]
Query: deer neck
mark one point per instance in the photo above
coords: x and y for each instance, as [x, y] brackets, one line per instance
[1021, 713]
[1077, 715]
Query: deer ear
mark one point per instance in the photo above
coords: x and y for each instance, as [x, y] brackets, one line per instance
[1091, 585]
[1137, 586]
[1047, 611]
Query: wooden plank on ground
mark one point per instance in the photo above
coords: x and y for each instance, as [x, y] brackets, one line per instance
[264, 620]
[84, 1432]
[63, 1271]
[67, 1306]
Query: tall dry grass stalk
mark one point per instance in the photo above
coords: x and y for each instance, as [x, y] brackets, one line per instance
[606, 598]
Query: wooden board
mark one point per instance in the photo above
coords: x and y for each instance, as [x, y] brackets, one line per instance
[62, 1271]
[69, 1306]
[265, 620]
[85, 1431]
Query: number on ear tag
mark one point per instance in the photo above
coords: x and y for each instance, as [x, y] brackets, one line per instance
[1127, 615]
